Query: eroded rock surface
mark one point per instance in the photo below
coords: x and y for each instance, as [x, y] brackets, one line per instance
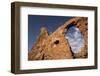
[56, 46]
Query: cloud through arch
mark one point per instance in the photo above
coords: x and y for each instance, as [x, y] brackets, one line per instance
[75, 38]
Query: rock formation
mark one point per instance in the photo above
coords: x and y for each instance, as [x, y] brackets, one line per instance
[56, 46]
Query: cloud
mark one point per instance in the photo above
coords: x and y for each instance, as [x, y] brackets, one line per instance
[75, 39]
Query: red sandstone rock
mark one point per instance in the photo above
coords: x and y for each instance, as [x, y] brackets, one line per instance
[56, 46]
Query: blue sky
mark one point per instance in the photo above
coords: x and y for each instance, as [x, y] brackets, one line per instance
[35, 22]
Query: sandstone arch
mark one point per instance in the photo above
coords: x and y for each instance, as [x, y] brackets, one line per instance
[56, 46]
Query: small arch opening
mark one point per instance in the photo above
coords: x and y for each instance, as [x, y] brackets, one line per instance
[56, 42]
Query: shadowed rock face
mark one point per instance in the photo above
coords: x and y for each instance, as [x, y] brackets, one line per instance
[56, 45]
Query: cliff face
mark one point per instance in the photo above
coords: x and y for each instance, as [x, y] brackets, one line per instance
[56, 46]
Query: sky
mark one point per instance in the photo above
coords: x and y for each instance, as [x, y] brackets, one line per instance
[35, 22]
[75, 38]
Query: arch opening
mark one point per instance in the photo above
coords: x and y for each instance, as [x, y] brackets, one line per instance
[56, 42]
[75, 38]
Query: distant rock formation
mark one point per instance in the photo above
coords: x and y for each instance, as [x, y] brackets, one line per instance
[56, 46]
